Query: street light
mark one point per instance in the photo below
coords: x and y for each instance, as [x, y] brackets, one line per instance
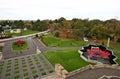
[21, 31]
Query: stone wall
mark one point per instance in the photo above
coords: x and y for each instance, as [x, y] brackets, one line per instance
[60, 71]
[1, 56]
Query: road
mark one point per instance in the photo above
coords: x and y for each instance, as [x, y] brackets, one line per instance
[25, 36]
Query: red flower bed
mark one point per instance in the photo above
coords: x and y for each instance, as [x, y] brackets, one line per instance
[97, 52]
[19, 42]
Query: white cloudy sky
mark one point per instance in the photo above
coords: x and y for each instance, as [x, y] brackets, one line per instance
[54, 9]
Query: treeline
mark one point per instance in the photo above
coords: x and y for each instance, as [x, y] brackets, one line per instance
[95, 29]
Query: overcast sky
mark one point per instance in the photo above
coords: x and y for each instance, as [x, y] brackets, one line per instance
[54, 9]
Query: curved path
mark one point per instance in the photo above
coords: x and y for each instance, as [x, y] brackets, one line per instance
[95, 73]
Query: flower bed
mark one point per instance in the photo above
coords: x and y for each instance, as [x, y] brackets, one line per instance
[98, 54]
[19, 45]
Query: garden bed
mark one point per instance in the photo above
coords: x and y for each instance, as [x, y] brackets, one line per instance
[16, 46]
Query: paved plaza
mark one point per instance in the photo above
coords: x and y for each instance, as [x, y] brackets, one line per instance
[95, 73]
[25, 64]
[9, 53]
[25, 67]
[33, 44]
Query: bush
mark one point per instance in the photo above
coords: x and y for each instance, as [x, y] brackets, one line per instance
[56, 34]
[1, 49]
[118, 40]
[36, 35]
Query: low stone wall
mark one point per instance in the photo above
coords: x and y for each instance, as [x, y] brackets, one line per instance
[87, 60]
[1, 56]
[60, 71]
[2, 44]
[93, 61]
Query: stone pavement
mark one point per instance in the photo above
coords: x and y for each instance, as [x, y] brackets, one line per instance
[25, 67]
[52, 76]
[95, 73]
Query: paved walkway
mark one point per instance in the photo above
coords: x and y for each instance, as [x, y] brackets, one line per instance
[52, 76]
[95, 73]
[26, 67]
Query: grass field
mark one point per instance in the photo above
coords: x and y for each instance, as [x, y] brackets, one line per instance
[69, 59]
[112, 45]
[25, 32]
[115, 46]
[118, 57]
[52, 41]
[18, 48]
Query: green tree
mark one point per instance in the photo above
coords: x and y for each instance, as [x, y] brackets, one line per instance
[77, 34]
[100, 32]
[40, 25]
[1, 29]
[18, 24]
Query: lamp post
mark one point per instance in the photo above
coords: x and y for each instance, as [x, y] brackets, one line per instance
[0, 28]
[108, 42]
[21, 31]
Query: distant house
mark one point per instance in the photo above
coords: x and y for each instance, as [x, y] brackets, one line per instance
[6, 27]
[85, 38]
[15, 30]
[25, 29]
[11, 29]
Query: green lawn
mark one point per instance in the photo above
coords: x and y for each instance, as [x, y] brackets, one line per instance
[112, 45]
[17, 48]
[117, 54]
[25, 32]
[115, 46]
[52, 41]
[69, 59]
[7, 31]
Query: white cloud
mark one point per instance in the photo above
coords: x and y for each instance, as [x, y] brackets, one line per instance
[51, 9]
